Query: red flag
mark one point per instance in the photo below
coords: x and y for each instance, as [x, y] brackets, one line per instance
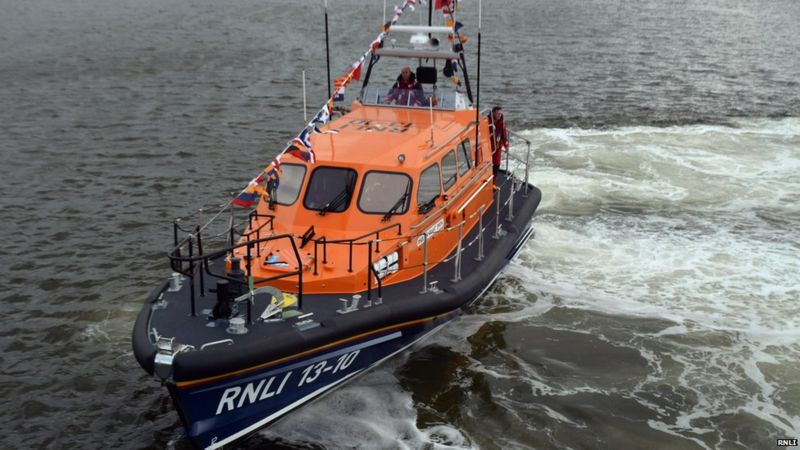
[357, 71]
[441, 4]
[375, 44]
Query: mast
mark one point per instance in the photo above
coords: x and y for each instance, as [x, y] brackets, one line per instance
[327, 49]
[478, 89]
[430, 16]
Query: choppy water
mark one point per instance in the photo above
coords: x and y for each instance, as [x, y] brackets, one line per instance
[657, 306]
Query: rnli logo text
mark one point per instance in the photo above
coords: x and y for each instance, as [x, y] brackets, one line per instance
[252, 392]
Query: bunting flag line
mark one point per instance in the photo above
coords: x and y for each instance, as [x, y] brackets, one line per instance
[448, 12]
[340, 85]
[273, 169]
[300, 147]
[251, 193]
[273, 178]
[357, 70]
[304, 138]
[439, 4]
[320, 119]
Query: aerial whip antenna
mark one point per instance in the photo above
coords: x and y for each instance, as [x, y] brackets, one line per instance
[327, 49]
[430, 107]
[478, 88]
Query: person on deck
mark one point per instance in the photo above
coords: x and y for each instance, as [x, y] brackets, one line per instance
[499, 133]
[406, 90]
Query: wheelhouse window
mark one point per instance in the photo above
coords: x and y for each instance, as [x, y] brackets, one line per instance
[429, 188]
[385, 193]
[449, 170]
[291, 181]
[464, 158]
[330, 189]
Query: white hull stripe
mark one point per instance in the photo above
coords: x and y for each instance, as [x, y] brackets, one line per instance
[308, 397]
[304, 362]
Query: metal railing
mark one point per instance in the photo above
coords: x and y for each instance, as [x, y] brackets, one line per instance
[523, 163]
[350, 243]
[514, 178]
[196, 265]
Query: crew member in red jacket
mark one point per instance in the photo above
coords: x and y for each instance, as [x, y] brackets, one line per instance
[499, 133]
[406, 90]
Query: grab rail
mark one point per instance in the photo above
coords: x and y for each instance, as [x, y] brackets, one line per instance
[350, 242]
[203, 258]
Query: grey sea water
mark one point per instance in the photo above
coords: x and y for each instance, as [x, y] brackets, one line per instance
[657, 306]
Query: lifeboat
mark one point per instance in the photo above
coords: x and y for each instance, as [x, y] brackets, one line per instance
[380, 223]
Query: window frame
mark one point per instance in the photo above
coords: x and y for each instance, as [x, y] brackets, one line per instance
[302, 183]
[454, 177]
[349, 198]
[468, 155]
[408, 200]
[438, 172]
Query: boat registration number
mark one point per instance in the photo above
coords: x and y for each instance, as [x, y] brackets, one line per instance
[312, 372]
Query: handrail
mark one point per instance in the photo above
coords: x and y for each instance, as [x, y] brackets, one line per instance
[177, 261]
[341, 241]
[526, 162]
[351, 242]
[218, 253]
[515, 134]
[256, 214]
[472, 197]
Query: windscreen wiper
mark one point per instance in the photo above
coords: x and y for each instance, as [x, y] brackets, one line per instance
[335, 202]
[396, 206]
[423, 209]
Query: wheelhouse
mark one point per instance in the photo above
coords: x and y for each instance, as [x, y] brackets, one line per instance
[429, 61]
[382, 191]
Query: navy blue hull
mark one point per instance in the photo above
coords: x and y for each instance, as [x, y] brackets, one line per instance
[219, 412]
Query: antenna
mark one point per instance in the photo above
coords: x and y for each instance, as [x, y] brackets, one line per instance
[430, 108]
[430, 12]
[328, 49]
[430, 16]
[478, 89]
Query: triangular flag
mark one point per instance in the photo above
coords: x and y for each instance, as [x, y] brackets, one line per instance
[439, 4]
[357, 71]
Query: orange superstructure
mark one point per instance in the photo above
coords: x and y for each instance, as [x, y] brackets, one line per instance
[379, 139]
